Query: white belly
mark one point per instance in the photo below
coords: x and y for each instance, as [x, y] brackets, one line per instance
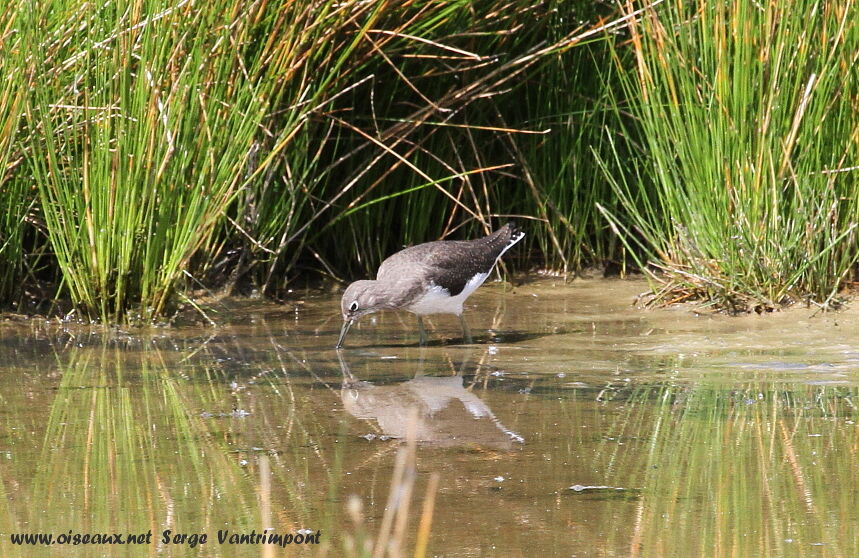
[438, 301]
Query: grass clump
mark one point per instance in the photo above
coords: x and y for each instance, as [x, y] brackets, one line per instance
[149, 120]
[744, 189]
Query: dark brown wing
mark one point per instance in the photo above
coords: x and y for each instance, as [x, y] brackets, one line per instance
[450, 264]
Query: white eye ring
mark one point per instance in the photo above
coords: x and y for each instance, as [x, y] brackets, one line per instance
[353, 306]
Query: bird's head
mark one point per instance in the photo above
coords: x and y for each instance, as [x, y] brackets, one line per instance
[361, 298]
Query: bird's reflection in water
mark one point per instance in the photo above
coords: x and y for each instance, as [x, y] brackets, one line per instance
[447, 413]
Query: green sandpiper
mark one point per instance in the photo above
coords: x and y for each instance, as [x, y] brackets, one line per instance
[430, 278]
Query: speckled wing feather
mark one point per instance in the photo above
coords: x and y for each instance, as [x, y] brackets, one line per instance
[453, 262]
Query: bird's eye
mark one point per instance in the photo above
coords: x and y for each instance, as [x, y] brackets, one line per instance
[353, 306]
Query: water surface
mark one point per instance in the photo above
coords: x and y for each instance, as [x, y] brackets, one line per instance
[576, 425]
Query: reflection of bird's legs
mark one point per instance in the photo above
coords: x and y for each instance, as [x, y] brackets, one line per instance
[466, 334]
[422, 353]
[466, 356]
[422, 330]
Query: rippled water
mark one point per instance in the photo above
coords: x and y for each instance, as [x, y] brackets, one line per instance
[576, 425]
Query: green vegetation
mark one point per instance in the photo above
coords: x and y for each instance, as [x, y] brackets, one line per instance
[744, 189]
[14, 198]
[157, 147]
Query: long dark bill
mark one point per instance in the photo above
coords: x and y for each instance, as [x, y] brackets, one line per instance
[343, 331]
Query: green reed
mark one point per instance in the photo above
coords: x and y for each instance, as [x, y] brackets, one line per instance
[351, 138]
[148, 123]
[152, 151]
[15, 197]
[178, 146]
[743, 189]
[564, 98]
[460, 167]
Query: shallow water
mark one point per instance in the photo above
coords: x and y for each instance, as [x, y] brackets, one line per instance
[576, 425]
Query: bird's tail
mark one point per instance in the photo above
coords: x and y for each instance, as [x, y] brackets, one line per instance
[509, 235]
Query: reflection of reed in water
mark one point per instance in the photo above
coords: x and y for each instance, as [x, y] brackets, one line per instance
[124, 448]
[446, 413]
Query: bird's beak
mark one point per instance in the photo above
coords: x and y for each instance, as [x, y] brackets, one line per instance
[343, 331]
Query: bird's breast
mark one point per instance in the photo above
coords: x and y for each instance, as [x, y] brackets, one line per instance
[437, 300]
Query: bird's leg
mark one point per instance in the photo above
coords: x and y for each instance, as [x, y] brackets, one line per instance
[466, 334]
[422, 331]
